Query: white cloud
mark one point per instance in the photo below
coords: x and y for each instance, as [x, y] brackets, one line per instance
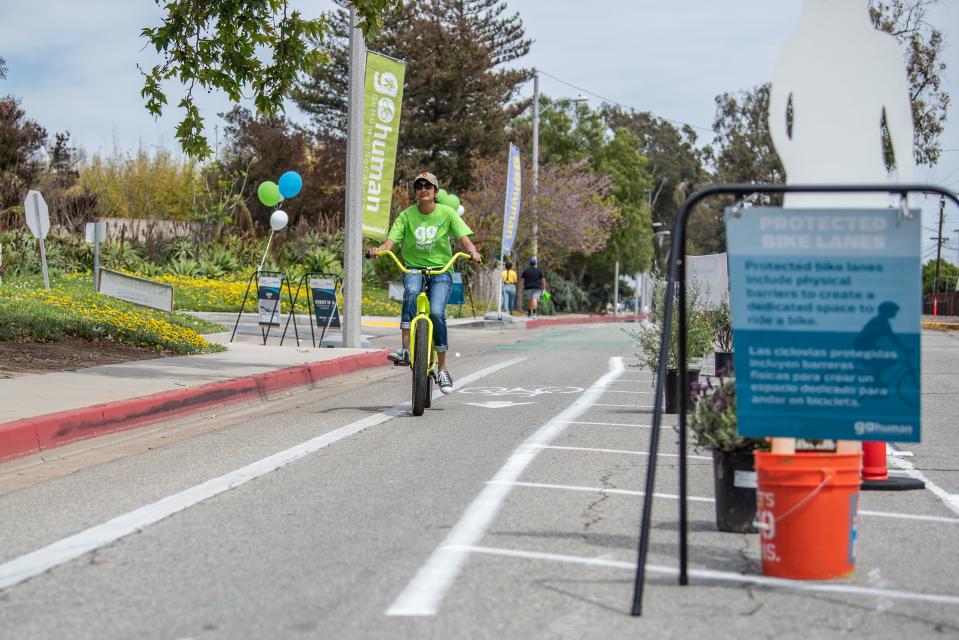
[74, 63]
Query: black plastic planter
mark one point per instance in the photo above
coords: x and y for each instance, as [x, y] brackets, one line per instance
[672, 389]
[735, 481]
[723, 361]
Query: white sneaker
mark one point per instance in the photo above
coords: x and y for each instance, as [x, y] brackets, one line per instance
[446, 382]
[399, 357]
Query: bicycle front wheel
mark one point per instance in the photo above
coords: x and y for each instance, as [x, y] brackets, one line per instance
[421, 367]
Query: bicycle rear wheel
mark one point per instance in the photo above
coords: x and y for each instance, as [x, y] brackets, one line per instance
[421, 368]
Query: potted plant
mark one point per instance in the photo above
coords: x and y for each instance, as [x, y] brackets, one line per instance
[713, 423]
[721, 324]
[698, 340]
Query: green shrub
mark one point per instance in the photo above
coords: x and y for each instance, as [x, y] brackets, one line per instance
[183, 267]
[565, 295]
[699, 336]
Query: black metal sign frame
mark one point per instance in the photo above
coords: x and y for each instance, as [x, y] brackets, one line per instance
[266, 333]
[676, 290]
[337, 286]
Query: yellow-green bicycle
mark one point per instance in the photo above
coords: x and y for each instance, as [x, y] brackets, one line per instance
[423, 360]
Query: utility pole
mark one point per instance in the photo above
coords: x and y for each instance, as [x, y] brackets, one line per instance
[942, 207]
[353, 234]
[532, 207]
[616, 291]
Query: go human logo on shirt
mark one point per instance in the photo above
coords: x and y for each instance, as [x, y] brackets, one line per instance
[425, 237]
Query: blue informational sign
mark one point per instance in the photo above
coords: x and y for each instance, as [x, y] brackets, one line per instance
[324, 302]
[268, 294]
[825, 307]
[456, 292]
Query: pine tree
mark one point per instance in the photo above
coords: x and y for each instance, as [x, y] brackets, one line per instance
[457, 98]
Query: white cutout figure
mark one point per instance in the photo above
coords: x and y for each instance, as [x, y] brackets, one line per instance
[839, 75]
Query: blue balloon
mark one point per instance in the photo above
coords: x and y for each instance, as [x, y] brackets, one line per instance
[290, 184]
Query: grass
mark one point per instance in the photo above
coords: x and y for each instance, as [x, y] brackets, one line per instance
[71, 308]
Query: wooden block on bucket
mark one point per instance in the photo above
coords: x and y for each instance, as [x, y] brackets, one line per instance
[784, 446]
[848, 446]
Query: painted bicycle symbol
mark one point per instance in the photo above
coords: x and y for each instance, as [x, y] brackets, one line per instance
[520, 391]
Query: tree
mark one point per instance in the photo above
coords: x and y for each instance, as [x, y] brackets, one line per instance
[742, 149]
[675, 163]
[568, 132]
[630, 243]
[22, 142]
[70, 204]
[457, 95]
[3, 68]
[215, 44]
[948, 275]
[262, 148]
[575, 215]
[155, 185]
[906, 22]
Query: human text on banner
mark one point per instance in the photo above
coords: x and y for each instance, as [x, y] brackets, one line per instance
[381, 124]
[514, 178]
[825, 306]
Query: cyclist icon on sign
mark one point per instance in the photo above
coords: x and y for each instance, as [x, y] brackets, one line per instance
[892, 372]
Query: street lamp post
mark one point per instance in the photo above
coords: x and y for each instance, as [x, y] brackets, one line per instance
[532, 208]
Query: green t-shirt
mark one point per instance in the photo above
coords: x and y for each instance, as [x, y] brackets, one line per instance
[426, 237]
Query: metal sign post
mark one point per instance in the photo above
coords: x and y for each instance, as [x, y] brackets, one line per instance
[38, 220]
[96, 232]
[676, 291]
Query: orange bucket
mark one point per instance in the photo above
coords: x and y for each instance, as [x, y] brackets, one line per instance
[806, 507]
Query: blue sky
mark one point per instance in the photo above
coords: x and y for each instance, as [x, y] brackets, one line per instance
[77, 73]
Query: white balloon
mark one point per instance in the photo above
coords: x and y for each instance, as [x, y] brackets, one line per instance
[461, 210]
[278, 220]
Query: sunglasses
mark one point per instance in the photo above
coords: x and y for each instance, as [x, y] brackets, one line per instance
[418, 186]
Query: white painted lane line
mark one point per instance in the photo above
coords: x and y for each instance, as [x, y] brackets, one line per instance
[633, 453]
[672, 496]
[624, 391]
[726, 576]
[950, 500]
[908, 516]
[70, 548]
[619, 424]
[424, 594]
[618, 492]
[628, 406]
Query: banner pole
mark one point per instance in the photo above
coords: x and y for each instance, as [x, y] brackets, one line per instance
[499, 304]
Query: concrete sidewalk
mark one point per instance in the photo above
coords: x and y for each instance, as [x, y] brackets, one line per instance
[41, 412]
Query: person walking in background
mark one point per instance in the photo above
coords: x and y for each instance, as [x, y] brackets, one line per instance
[534, 284]
[509, 287]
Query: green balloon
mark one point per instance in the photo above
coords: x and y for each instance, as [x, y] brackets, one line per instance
[453, 202]
[269, 193]
[441, 196]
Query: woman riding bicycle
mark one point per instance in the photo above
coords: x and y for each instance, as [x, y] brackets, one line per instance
[424, 230]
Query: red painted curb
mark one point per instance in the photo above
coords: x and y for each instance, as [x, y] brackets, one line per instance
[545, 322]
[37, 434]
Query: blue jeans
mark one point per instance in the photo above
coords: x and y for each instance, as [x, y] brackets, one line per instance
[440, 288]
[509, 297]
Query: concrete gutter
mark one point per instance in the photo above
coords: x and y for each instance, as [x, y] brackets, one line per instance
[38, 434]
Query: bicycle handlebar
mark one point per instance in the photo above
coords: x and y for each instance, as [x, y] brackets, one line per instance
[429, 272]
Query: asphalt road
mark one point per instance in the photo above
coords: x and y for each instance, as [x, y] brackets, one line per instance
[509, 509]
